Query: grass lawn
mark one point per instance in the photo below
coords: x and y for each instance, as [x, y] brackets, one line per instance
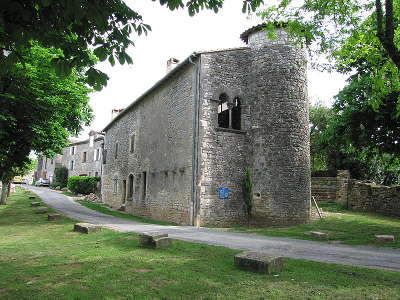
[46, 260]
[105, 210]
[348, 227]
[68, 193]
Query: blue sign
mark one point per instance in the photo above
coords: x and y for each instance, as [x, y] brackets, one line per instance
[223, 193]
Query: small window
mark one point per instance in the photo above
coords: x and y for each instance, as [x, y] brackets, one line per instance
[104, 156]
[115, 186]
[223, 111]
[52, 161]
[132, 143]
[236, 114]
[144, 185]
[130, 187]
[97, 154]
[84, 157]
[71, 165]
[116, 151]
[96, 174]
[72, 150]
[90, 173]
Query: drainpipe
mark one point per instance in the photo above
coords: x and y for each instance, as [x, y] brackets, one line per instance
[195, 156]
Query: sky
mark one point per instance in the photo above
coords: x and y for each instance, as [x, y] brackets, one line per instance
[175, 34]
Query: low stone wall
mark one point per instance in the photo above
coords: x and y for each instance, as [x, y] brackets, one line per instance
[374, 198]
[331, 189]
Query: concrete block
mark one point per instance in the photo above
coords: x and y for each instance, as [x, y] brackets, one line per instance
[384, 238]
[258, 262]
[42, 210]
[35, 204]
[53, 217]
[320, 235]
[154, 239]
[86, 228]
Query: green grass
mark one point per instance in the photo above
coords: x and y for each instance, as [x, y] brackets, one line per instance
[348, 227]
[47, 260]
[104, 209]
[68, 193]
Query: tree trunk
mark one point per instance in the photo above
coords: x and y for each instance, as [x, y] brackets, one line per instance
[4, 191]
[9, 189]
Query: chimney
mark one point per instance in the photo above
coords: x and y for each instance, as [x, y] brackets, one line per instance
[115, 112]
[172, 63]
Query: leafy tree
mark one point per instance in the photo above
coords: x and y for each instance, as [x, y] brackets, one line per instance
[77, 26]
[326, 26]
[15, 171]
[319, 118]
[61, 176]
[38, 109]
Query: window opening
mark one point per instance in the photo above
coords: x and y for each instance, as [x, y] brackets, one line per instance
[223, 111]
[132, 146]
[236, 114]
[115, 186]
[71, 165]
[116, 151]
[84, 157]
[130, 187]
[144, 185]
[123, 191]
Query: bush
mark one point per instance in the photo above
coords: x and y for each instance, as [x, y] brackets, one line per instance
[61, 176]
[54, 185]
[82, 184]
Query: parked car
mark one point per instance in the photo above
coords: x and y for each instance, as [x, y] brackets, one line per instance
[42, 182]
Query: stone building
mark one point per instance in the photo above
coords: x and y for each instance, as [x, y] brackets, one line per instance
[84, 158]
[46, 166]
[179, 152]
[81, 158]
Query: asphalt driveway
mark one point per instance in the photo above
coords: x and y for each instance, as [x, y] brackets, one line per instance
[365, 256]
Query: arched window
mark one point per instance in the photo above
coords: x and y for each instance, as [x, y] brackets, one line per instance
[130, 187]
[223, 111]
[236, 114]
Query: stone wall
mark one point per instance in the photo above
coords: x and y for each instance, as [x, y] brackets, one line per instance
[46, 167]
[374, 198]
[331, 189]
[224, 152]
[162, 126]
[279, 130]
[92, 166]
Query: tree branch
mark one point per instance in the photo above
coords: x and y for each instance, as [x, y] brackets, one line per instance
[387, 37]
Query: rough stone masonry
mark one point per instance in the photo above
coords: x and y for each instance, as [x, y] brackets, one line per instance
[180, 151]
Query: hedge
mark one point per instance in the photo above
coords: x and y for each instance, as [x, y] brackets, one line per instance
[82, 184]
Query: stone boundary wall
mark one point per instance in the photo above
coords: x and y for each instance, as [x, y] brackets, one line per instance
[374, 198]
[331, 189]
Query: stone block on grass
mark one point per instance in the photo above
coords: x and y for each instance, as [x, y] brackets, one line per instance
[86, 228]
[53, 217]
[35, 204]
[384, 238]
[258, 262]
[42, 210]
[154, 240]
[320, 235]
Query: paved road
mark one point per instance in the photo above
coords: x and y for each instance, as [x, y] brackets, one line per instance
[371, 257]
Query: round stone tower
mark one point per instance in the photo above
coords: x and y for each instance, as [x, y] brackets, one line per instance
[280, 158]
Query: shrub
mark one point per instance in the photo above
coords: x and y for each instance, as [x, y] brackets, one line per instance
[82, 184]
[247, 189]
[61, 176]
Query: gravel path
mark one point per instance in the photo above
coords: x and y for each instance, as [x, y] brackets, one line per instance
[366, 256]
